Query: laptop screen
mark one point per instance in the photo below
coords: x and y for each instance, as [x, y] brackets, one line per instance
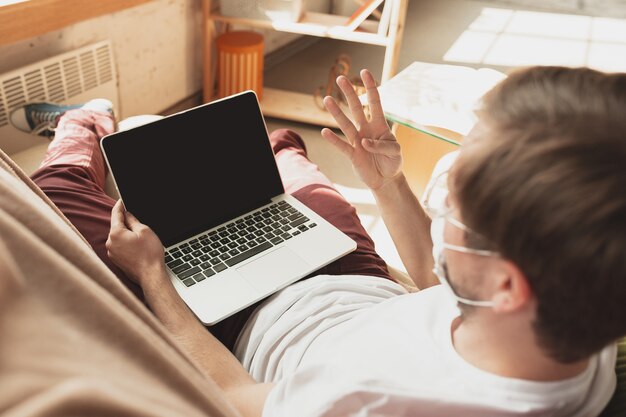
[194, 170]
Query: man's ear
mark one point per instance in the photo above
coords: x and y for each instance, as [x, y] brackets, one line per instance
[512, 292]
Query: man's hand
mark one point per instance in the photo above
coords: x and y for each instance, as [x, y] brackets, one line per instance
[136, 249]
[372, 148]
[133, 246]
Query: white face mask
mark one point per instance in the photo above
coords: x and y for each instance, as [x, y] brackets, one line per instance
[440, 271]
[435, 203]
[436, 232]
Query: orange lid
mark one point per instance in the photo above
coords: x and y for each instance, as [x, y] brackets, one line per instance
[240, 40]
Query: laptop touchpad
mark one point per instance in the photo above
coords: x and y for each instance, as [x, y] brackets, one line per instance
[274, 270]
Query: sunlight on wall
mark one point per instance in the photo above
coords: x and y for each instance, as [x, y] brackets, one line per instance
[7, 2]
[519, 38]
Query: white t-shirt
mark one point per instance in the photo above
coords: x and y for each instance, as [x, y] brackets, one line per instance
[362, 346]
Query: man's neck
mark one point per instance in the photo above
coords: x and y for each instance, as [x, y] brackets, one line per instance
[508, 349]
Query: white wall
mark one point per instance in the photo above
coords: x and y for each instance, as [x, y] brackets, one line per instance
[157, 47]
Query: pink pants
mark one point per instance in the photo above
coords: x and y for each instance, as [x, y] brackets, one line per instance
[73, 174]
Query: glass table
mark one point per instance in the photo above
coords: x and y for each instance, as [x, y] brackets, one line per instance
[432, 108]
[433, 98]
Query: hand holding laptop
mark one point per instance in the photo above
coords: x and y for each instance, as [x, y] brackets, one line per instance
[206, 182]
[133, 246]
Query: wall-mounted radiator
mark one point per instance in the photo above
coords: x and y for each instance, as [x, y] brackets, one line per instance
[69, 78]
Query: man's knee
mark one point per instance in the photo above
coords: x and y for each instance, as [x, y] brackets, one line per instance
[286, 138]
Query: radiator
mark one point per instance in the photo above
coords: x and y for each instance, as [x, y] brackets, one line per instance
[72, 77]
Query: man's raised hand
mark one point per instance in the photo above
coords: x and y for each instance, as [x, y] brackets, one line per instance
[372, 148]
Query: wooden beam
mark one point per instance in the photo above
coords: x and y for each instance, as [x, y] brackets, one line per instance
[27, 19]
[208, 33]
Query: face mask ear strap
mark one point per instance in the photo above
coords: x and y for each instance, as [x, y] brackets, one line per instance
[439, 272]
[463, 249]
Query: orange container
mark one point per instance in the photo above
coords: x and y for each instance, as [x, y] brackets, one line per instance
[239, 63]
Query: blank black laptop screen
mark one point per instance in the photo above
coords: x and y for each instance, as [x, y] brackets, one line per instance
[194, 170]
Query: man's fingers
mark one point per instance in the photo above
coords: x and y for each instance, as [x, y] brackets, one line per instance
[122, 219]
[373, 97]
[356, 108]
[344, 123]
[132, 222]
[344, 147]
[382, 147]
[117, 216]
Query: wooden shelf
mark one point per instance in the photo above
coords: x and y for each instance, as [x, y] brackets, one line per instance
[298, 106]
[291, 105]
[314, 24]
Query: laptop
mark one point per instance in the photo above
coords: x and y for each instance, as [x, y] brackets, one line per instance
[205, 180]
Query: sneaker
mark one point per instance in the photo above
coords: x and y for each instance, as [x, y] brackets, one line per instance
[100, 105]
[41, 118]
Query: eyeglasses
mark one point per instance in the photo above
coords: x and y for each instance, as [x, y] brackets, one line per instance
[436, 205]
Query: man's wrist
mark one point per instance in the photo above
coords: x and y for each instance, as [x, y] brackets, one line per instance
[390, 188]
[153, 274]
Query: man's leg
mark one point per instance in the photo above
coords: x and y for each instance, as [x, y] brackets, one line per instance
[302, 179]
[73, 174]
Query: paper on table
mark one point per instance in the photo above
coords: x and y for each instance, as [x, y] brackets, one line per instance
[445, 96]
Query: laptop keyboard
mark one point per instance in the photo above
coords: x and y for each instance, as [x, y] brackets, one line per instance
[211, 253]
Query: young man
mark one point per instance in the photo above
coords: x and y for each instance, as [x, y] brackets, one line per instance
[528, 245]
